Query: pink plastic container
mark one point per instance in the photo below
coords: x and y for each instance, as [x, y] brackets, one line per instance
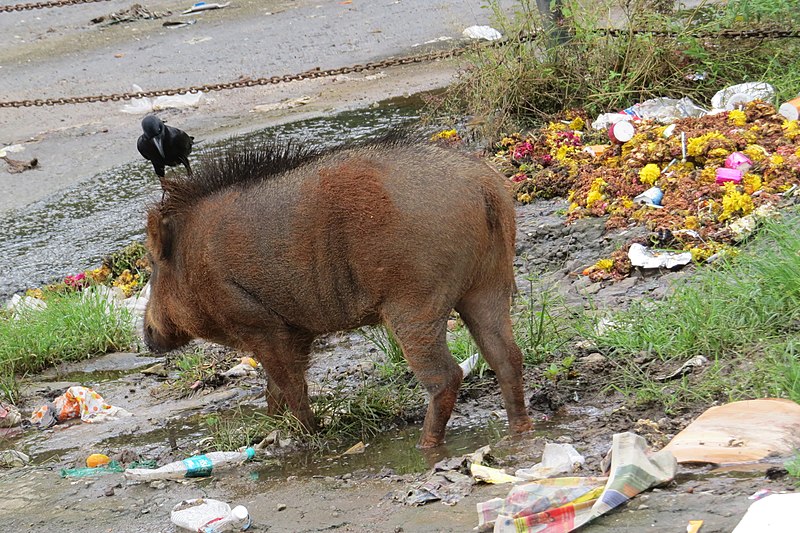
[737, 160]
[729, 174]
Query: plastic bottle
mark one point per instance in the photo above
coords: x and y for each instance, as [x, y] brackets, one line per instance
[209, 516]
[197, 466]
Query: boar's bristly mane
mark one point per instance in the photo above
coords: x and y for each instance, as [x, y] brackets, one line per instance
[241, 163]
[238, 163]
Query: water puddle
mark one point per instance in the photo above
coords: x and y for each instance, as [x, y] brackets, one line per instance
[395, 450]
[74, 229]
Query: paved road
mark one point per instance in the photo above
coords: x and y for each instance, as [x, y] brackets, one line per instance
[59, 52]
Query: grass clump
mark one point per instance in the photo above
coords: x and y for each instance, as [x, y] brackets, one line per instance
[544, 326]
[743, 316]
[73, 326]
[793, 467]
[344, 415]
[516, 85]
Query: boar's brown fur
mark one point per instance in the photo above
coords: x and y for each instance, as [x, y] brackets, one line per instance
[270, 246]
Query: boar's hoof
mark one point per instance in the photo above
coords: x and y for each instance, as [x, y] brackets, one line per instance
[429, 442]
[522, 427]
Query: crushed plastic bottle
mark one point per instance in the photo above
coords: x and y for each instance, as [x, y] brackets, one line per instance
[205, 515]
[197, 466]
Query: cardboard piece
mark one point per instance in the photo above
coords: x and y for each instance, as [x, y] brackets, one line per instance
[740, 432]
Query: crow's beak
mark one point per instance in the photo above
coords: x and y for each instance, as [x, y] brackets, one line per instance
[157, 142]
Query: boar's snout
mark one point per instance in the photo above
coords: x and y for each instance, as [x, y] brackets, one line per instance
[163, 339]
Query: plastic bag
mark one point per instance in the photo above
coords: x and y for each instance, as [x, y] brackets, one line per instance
[556, 459]
[482, 32]
[76, 402]
[736, 95]
[142, 106]
[205, 514]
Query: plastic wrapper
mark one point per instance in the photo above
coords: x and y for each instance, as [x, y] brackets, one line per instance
[667, 110]
[560, 505]
[77, 402]
[644, 257]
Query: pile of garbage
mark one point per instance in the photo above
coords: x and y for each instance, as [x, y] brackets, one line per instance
[701, 180]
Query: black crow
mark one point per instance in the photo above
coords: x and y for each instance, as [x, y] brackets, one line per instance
[164, 145]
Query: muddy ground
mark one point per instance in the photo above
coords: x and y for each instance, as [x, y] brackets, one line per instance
[295, 491]
[292, 490]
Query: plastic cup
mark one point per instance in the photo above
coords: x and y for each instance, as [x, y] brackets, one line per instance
[790, 109]
[651, 196]
[621, 132]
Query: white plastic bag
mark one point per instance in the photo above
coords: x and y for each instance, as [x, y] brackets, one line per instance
[556, 459]
[735, 95]
[482, 32]
[207, 515]
[142, 106]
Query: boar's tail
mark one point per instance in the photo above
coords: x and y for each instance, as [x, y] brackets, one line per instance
[501, 223]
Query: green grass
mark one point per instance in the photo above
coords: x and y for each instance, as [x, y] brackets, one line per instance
[344, 415]
[393, 362]
[74, 326]
[517, 85]
[793, 467]
[193, 366]
[744, 316]
[545, 326]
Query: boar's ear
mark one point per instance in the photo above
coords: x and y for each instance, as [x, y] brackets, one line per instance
[161, 234]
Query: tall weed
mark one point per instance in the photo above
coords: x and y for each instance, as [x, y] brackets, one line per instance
[528, 79]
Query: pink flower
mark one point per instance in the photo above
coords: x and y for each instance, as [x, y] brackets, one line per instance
[76, 281]
[518, 177]
[522, 150]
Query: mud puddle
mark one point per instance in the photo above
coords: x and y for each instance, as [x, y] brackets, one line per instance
[74, 229]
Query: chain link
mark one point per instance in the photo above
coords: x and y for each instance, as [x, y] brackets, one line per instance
[376, 65]
[44, 5]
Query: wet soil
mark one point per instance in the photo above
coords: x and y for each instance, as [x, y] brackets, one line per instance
[296, 490]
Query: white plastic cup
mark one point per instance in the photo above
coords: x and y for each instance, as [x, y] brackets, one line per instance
[790, 109]
[621, 132]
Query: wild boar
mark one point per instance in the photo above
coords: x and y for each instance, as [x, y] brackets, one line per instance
[268, 247]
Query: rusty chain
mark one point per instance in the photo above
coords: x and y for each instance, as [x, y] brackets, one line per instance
[44, 5]
[247, 82]
[376, 65]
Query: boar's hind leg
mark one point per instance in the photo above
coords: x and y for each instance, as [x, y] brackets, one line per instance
[425, 348]
[486, 314]
[285, 358]
[276, 401]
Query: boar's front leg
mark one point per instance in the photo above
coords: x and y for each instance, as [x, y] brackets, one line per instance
[285, 357]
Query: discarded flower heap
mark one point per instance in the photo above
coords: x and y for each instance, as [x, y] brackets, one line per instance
[700, 210]
[128, 270]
